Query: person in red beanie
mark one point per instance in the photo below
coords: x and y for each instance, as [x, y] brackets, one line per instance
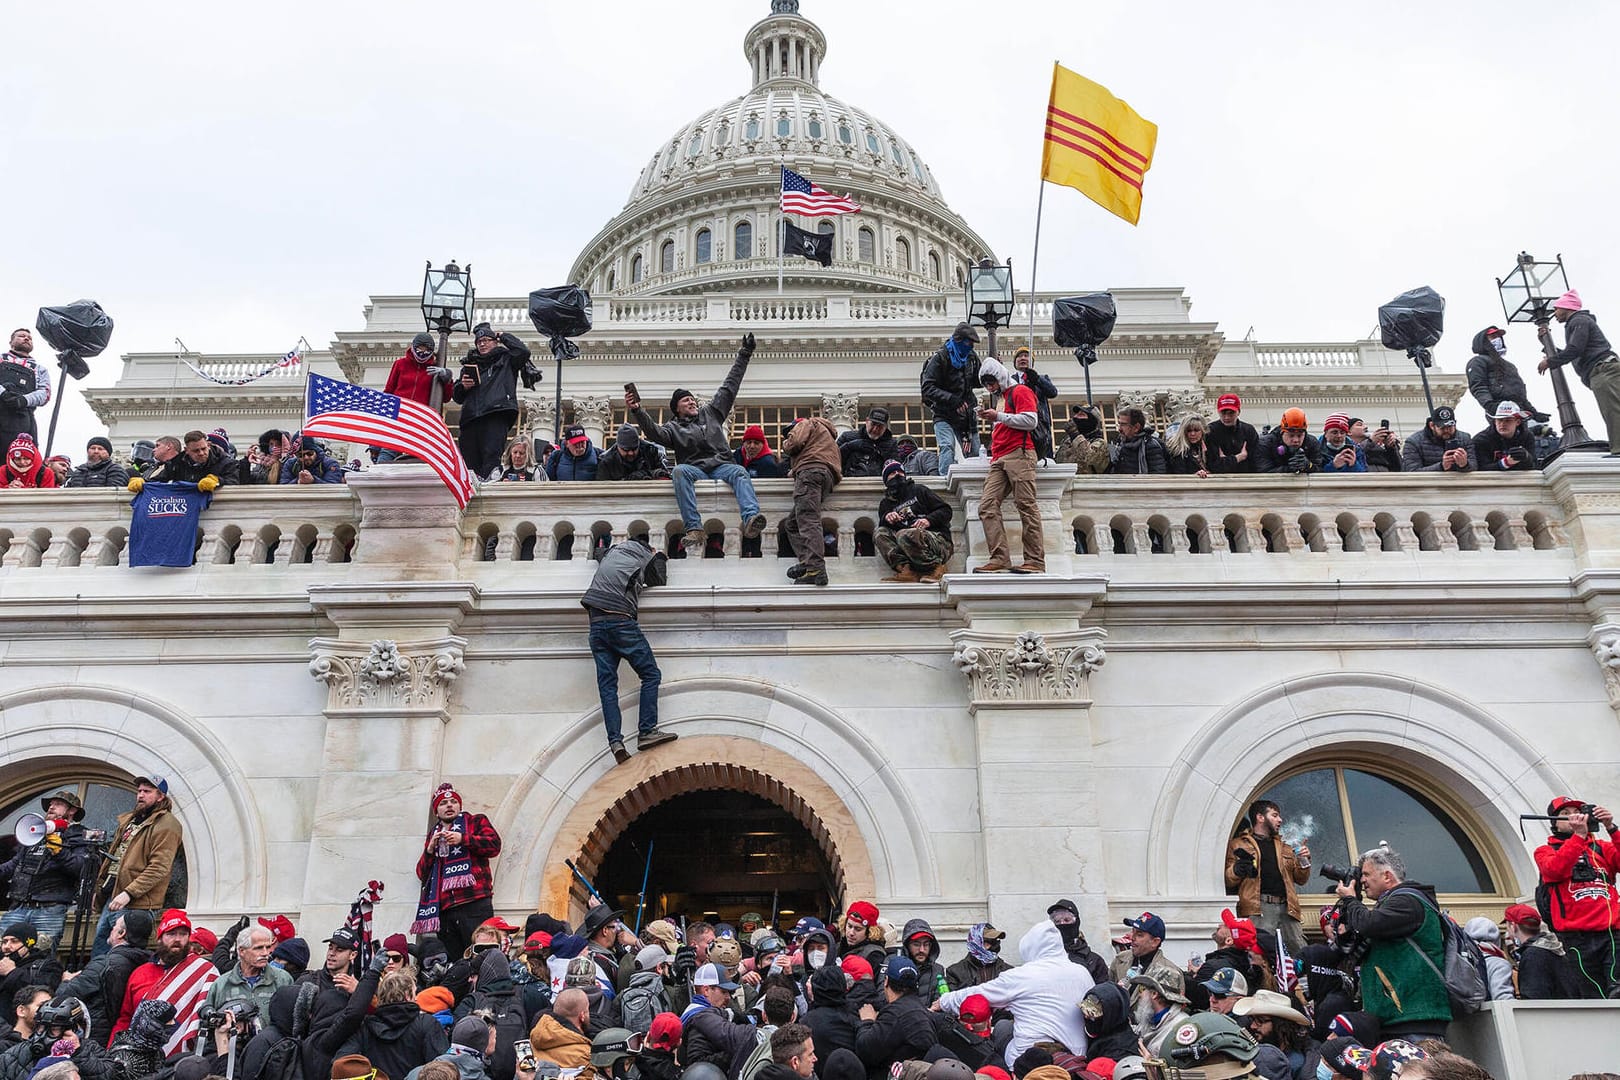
[23, 467]
[859, 919]
[972, 1038]
[1546, 969]
[755, 455]
[457, 886]
[203, 941]
[656, 1061]
[1578, 873]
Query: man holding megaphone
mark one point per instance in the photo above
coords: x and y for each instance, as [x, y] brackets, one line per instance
[42, 879]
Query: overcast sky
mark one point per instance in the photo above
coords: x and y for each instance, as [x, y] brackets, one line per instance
[241, 175]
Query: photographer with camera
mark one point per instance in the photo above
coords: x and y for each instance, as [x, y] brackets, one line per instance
[1401, 981]
[1577, 892]
[41, 881]
[230, 1026]
[1289, 447]
[1266, 871]
[61, 1029]
[1436, 448]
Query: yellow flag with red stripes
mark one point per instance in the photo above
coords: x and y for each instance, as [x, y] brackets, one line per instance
[1097, 144]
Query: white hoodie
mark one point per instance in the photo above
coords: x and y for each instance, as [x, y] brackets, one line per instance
[1043, 994]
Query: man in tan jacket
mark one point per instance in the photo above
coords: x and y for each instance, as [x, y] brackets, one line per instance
[1265, 871]
[812, 444]
[559, 1036]
[140, 858]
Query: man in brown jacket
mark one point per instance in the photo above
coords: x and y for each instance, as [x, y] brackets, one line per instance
[139, 859]
[816, 468]
[1265, 871]
[559, 1035]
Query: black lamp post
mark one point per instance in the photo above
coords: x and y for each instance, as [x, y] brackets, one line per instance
[1528, 293]
[447, 306]
[990, 297]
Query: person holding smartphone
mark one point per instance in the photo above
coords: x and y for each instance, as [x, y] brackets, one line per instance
[486, 390]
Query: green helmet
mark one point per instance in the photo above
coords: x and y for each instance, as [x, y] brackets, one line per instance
[1206, 1046]
[610, 1045]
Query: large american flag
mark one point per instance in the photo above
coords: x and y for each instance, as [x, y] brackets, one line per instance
[800, 196]
[335, 409]
[184, 986]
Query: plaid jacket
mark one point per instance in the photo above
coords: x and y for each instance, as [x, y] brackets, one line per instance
[483, 844]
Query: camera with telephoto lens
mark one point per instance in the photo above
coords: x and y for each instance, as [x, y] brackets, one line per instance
[210, 1017]
[1343, 875]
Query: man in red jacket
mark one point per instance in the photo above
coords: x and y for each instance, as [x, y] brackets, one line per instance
[1012, 471]
[1578, 872]
[454, 869]
[414, 377]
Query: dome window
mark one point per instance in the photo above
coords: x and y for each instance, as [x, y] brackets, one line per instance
[873, 145]
[635, 270]
[815, 129]
[846, 135]
[695, 147]
[784, 126]
[705, 245]
[751, 129]
[666, 258]
[894, 152]
[902, 253]
[933, 266]
[742, 244]
[723, 136]
[867, 245]
[824, 226]
[916, 166]
[612, 281]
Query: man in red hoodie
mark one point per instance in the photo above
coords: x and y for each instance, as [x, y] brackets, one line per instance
[1578, 872]
[414, 377]
[23, 468]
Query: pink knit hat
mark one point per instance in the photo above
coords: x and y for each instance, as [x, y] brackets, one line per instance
[1570, 301]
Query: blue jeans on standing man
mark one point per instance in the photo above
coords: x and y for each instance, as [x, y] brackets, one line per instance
[48, 919]
[946, 439]
[619, 638]
[686, 478]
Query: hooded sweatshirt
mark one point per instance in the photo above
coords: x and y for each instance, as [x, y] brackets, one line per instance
[1040, 993]
[830, 1019]
[32, 474]
[931, 983]
[1492, 379]
[1107, 1013]
[1017, 411]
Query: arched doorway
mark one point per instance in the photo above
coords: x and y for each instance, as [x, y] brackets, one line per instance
[723, 839]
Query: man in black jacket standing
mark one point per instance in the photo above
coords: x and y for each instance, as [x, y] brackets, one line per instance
[901, 1029]
[949, 380]
[487, 393]
[613, 604]
[1588, 349]
[1492, 378]
[40, 881]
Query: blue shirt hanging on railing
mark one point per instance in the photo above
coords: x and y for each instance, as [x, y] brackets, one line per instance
[163, 524]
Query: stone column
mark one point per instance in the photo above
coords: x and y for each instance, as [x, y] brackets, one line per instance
[594, 412]
[843, 411]
[1031, 701]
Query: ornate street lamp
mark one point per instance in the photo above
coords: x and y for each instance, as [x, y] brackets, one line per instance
[1528, 293]
[990, 297]
[447, 306]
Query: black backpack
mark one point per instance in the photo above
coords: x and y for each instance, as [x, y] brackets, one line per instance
[284, 1061]
[503, 1010]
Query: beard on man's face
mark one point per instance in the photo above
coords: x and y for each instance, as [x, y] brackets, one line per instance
[170, 955]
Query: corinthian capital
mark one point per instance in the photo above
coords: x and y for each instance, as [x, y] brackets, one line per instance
[1029, 668]
[387, 676]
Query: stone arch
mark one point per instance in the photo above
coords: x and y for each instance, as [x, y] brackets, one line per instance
[1452, 742]
[748, 725]
[226, 856]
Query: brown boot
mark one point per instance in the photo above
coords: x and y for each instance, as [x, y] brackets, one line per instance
[904, 574]
[994, 566]
[933, 576]
[1029, 568]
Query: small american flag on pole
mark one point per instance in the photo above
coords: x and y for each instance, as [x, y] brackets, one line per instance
[335, 409]
[800, 196]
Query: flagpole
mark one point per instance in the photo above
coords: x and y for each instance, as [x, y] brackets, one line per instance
[1035, 263]
[781, 223]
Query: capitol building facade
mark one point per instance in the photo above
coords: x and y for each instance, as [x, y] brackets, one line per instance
[1418, 658]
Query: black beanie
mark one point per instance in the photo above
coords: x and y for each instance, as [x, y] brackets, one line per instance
[1030, 1060]
[137, 927]
[101, 441]
[676, 396]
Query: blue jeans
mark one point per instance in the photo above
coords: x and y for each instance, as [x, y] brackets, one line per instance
[686, 478]
[48, 919]
[945, 440]
[618, 639]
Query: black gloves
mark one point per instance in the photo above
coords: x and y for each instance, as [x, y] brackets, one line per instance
[1299, 461]
[379, 961]
[13, 400]
[1243, 865]
[747, 346]
[530, 375]
[685, 965]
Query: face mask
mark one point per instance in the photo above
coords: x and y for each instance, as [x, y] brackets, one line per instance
[895, 486]
[1323, 1071]
[1500, 345]
[816, 959]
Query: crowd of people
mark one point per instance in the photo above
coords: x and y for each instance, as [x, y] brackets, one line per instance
[694, 444]
[468, 995]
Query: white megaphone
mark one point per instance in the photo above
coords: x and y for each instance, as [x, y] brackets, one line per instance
[31, 829]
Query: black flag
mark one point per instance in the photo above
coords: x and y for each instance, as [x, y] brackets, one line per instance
[808, 245]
